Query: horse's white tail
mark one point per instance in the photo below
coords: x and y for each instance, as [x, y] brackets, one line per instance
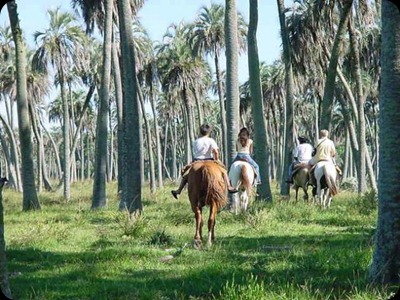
[246, 180]
[331, 183]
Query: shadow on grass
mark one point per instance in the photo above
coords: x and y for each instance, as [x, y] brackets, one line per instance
[328, 264]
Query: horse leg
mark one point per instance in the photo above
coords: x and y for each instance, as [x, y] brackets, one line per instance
[235, 202]
[305, 197]
[211, 224]
[329, 197]
[297, 192]
[199, 224]
[319, 195]
[245, 201]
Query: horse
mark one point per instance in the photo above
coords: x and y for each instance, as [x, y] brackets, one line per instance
[206, 186]
[241, 175]
[325, 175]
[300, 180]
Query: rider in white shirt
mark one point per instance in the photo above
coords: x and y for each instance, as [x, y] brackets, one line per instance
[204, 148]
[301, 154]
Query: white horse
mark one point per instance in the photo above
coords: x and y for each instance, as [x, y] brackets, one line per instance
[325, 175]
[241, 175]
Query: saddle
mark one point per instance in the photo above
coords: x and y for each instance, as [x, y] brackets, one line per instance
[299, 166]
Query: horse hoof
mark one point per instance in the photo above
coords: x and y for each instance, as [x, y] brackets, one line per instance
[197, 244]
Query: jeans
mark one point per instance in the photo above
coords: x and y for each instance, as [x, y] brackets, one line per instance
[250, 160]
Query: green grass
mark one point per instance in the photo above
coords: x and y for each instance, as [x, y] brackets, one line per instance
[274, 251]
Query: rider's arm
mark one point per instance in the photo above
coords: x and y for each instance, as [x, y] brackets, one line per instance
[215, 153]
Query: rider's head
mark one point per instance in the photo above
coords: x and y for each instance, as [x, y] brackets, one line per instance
[205, 129]
[243, 135]
[323, 133]
[303, 140]
[244, 132]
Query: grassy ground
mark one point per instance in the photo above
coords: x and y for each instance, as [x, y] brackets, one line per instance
[274, 251]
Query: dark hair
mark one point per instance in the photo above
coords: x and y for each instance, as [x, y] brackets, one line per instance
[243, 139]
[205, 129]
[303, 140]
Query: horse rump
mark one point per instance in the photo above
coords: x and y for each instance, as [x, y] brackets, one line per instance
[207, 181]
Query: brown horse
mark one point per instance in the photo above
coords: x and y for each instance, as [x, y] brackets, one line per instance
[206, 186]
[300, 180]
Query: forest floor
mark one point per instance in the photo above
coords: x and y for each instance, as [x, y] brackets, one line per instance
[279, 250]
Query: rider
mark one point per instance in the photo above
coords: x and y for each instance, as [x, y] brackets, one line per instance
[325, 151]
[204, 148]
[244, 148]
[301, 154]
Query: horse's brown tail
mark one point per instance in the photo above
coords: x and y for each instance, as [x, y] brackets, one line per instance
[246, 180]
[331, 183]
[213, 182]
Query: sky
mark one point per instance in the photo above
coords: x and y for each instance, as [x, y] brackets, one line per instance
[156, 16]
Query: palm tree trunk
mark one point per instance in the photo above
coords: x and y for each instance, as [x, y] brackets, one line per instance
[289, 98]
[66, 125]
[56, 153]
[13, 161]
[99, 185]
[329, 90]
[118, 99]
[30, 199]
[173, 151]
[257, 105]
[158, 143]
[4, 282]
[38, 152]
[385, 267]
[132, 192]
[82, 141]
[232, 81]
[110, 166]
[353, 136]
[148, 139]
[362, 186]
[222, 109]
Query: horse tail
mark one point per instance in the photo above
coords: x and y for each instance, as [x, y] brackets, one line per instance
[331, 183]
[214, 184]
[245, 179]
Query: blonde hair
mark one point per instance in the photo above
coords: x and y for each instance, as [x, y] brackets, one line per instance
[323, 133]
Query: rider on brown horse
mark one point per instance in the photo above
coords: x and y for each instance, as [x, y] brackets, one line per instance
[204, 148]
[301, 155]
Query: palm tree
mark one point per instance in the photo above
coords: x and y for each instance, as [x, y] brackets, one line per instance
[182, 76]
[99, 185]
[385, 266]
[289, 95]
[131, 193]
[261, 149]
[327, 103]
[207, 37]
[8, 95]
[61, 45]
[30, 199]
[232, 81]
[4, 283]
